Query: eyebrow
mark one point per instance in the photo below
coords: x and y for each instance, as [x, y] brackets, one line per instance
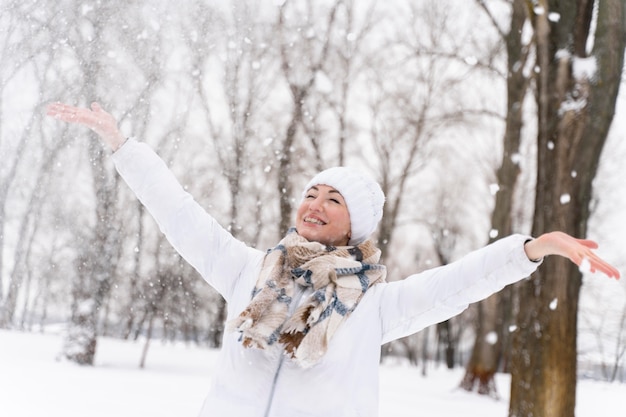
[332, 190]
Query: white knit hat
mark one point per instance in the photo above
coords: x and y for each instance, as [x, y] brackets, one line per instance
[363, 196]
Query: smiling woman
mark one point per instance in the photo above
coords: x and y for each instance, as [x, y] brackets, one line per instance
[323, 217]
[307, 318]
[343, 188]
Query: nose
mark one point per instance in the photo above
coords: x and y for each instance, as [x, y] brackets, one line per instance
[315, 204]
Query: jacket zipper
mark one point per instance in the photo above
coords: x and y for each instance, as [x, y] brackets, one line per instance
[273, 389]
[292, 309]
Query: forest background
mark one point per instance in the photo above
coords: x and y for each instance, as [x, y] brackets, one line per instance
[245, 101]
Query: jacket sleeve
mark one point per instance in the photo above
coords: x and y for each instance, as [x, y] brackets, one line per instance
[196, 236]
[435, 295]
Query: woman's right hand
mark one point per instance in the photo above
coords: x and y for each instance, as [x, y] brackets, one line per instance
[95, 118]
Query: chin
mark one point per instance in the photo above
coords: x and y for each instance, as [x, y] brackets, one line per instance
[312, 238]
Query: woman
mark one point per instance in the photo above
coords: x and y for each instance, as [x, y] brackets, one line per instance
[307, 318]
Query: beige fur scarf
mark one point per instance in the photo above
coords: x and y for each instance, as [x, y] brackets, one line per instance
[338, 278]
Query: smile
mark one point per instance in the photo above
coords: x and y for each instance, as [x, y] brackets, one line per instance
[314, 221]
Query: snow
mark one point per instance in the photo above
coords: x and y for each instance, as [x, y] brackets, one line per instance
[554, 17]
[584, 68]
[585, 266]
[491, 338]
[33, 382]
[554, 303]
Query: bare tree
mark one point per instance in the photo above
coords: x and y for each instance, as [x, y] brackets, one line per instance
[446, 232]
[15, 28]
[94, 270]
[28, 228]
[494, 314]
[575, 110]
[608, 332]
[299, 67]
[244, 88]
[407, 116]
[330, 112]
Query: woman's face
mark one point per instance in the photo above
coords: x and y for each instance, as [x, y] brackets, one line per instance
[323, 217]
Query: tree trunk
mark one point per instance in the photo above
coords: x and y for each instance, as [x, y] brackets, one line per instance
[96, 263]
[28, 225]
[487, 351]
[491, 328]
[300, 85]
[146, 345]
[575, 113]
[5, 186]
[447, 342]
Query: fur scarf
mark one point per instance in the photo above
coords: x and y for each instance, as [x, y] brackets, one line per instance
[338, 278]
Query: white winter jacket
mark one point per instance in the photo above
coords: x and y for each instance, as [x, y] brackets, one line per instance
[258, 383]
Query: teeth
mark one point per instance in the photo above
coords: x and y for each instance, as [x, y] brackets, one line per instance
[314, 221]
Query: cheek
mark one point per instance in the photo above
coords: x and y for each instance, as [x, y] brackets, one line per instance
[345, 219]
[348, 226]
[300, 211]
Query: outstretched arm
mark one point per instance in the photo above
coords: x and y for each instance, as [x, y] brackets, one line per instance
[578, 251]
[95, 118]
[195, 234]
[411, 304]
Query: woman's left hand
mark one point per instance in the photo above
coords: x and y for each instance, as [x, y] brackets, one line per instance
[578, 251]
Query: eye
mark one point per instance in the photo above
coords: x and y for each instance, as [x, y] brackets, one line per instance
[334, 200]
[309, 196]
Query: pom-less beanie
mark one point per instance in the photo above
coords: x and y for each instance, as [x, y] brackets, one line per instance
[363, 196]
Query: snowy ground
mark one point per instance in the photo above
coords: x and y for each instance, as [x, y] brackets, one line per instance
[175, 380]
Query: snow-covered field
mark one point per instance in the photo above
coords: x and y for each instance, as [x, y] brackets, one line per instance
[176, 377]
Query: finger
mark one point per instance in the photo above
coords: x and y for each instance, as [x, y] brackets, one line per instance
[61, 110]
[588, 243]
[605, 268]
[73, 114]
[611, 272]
[590, 262]
[54, 108]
